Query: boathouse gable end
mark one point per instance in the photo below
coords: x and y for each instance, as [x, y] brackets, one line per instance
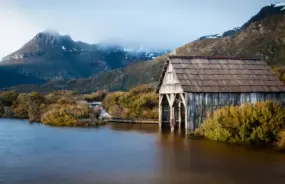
[190, 87]
[170, 82]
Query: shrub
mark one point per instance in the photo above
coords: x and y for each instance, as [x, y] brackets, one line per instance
[112, 104]
[281, 140]
[67, 99]
[29, 106]
[98, 96]
[21, 106]
[8, 97]
[58, 108]
[257, 123]
[140, 102]
[143, 88]
[280, 73]
[36, 107]
[54, 97]
[65, 115]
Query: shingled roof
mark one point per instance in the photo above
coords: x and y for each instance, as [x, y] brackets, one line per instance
[223, 74]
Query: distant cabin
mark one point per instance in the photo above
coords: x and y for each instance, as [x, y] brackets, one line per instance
[192, 86]
[97, 104]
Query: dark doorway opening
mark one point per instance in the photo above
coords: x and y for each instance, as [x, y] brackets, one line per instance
[178, 114]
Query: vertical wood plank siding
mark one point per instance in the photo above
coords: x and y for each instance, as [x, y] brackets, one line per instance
[199, 104]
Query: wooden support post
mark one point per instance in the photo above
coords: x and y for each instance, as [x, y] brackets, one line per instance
[160, 111]
[172, 119]
[185, 97]
[179, 114]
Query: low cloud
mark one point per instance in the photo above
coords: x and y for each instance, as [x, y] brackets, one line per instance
[162, 24]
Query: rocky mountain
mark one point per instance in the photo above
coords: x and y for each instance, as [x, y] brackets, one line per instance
[51, 56]
[263, 36]
[267, 11]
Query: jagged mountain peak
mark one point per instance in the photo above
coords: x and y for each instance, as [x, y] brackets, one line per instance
[43, 42]
[50, 38]
[50, 55]
[49, 33]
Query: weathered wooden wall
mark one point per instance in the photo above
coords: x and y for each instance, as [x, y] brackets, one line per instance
[201, 103]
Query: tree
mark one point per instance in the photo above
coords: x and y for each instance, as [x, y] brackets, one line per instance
[8, 97]
[36, 105]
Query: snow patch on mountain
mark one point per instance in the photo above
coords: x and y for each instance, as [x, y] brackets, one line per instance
[214, 36]
[278, 4]
[15, 56]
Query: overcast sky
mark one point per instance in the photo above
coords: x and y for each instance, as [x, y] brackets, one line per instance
[152, 23]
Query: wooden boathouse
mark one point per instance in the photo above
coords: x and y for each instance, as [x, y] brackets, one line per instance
[192, 86]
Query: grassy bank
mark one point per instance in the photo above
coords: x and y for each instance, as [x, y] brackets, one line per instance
[65, 108]
[261, 124]
[140, 102]
[61, 108]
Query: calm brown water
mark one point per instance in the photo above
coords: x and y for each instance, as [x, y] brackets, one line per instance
[33, 153]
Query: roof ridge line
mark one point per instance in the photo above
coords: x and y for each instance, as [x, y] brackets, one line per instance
[211, 57]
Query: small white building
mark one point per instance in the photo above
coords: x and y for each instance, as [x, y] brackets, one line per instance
[96, 104]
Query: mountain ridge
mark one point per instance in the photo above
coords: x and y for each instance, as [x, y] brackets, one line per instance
[269, 10]
[51, 56]
[263, 37]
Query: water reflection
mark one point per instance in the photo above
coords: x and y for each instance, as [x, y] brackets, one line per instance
[205, 161]
[141, 128]
[124, 153]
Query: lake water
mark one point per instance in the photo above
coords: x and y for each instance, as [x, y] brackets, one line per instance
[34, 153]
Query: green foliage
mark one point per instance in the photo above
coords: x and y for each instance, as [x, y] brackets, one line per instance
[21, 106]
[8, 97]
[281, 140]
[98, 96]
[36, 107]
[280, 73]
[30, 106]
[65, 115]
[112, 103]
[60, 108]
[143, 88]
[66, 100]
[64, 110]
[57, 96]
[140, 102]
[258, 124]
